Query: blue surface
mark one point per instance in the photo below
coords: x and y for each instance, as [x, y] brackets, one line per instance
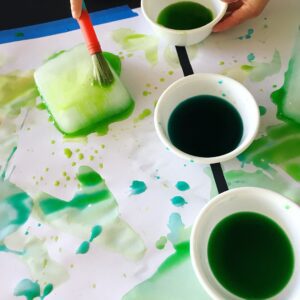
[64, 25]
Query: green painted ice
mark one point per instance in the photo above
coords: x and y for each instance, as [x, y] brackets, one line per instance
[77, 104]
[132, 41]
[92, 204]
[287, 97]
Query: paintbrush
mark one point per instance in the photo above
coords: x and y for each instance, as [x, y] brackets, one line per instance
[102, 72]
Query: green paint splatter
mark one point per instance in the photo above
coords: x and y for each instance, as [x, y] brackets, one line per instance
[144, 114]
[83, 248]
[287, 97]
[132, 41]
[68, 152]
[138, 187]
[41, 106]
[251, 57]
[161, 243]
[28, 289]
[146, 93]
[280, 147]
[178, 201]
[264, 70]
[80, 156]
[248, 35]
[182, 186]
[262, 110]
[96, 231]
[92, 204]
[257, 71]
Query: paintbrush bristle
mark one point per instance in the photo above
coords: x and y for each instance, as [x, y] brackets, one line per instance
[102, 72]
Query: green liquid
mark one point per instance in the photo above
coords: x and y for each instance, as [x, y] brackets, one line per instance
[185, 15]
[250, 255]
[205, 126]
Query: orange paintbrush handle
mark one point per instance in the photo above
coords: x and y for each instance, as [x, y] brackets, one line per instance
[88, 32]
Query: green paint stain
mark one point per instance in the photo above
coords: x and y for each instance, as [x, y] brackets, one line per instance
[92, 204]
[15, 209]
[262, 110]
[178, 201]
[68, 152]
[28, 289]
[56, 183]
[83, 248]
[80, 156]
[287, 97]
[174, 279]
[144, 114]
[41, 106]
[264, 70]
[280, 147]
[178, 232]
[138, 187]
[247, 68]
[73, 116]
[184, 15]
[132, 42]
[96, 231]
[182, 186]
[161, 243]
[19, 34]
[146, 93]
[240, 258]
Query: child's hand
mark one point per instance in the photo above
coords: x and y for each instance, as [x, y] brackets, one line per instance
[239, 11]
[76, 7]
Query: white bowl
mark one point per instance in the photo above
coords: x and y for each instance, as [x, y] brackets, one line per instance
[283, 211]
[152, 8]
[207, 84]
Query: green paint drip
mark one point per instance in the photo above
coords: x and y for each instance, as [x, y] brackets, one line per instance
[174, 279]
[132, 42]
[68, 152]
[96, 231]
[138, 187]
[178, 232]
[47, 290]
[182, 186]
[287, 97]
[28, 289]
[178, 201]
[92, 204]
[161, 243]
[144, 114]
[83, 248]
[280, 147]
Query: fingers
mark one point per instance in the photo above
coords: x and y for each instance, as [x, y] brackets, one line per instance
[234, 19]
[76, 7]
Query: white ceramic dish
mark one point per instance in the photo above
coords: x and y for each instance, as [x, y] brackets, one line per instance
[284, 212]
[152, 8]
[208, 84]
